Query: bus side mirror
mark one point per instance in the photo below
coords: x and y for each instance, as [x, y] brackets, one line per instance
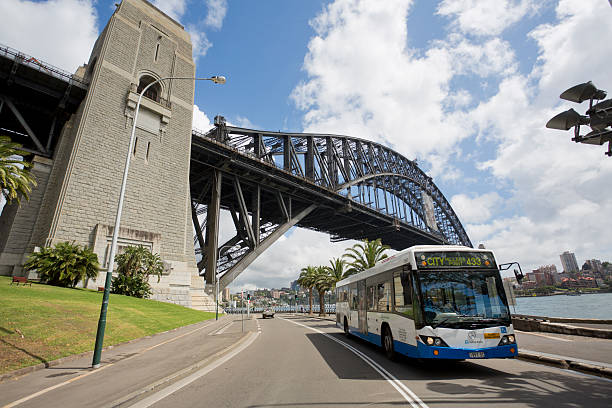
[519, 276]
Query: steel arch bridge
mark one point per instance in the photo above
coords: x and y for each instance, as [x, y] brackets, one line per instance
[347, 187]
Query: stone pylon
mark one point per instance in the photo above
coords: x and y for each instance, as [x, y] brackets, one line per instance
[80, 188]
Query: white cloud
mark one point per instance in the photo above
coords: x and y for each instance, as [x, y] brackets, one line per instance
[282, 262]
[59, 32]
[475, 209]
[559, 185]
[216, 13]
[199, 41]
[363, 81]
[201, 121]
[173, 8]
[486, 17]
[214, 19]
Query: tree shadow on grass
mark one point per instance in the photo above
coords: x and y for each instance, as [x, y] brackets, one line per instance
[37, 357]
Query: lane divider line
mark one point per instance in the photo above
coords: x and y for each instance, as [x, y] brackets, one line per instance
[404, 391]
[171, 389]
[97, 370]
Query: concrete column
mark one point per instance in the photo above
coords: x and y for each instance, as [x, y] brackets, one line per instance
[212, 227]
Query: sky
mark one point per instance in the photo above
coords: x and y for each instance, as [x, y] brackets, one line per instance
[464, 86]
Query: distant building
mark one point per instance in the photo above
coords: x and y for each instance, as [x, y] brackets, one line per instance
[593, 265]
[544, 275]
[568, 261]
[276, 293]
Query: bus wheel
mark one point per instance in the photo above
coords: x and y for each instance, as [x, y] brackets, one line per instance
[346, 329]
[388, 343]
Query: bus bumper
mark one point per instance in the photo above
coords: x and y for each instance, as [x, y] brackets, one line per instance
[450, 353]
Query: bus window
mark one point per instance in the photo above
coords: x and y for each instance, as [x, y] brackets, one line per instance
[403, 294]
[384, 296]
[354, 299]
[371, 298]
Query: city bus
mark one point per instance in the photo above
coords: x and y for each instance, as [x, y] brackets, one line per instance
[430, 302]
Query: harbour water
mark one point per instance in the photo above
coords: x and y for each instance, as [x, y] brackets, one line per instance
[595, 306]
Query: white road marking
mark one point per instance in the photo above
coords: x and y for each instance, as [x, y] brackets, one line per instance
[46, 390]
[542, 335]
[158, 396]
[221, 330]
[404, 391]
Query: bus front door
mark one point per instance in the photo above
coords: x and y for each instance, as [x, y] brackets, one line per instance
[363, 304]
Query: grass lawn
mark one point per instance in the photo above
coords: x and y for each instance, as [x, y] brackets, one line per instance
[43, 323]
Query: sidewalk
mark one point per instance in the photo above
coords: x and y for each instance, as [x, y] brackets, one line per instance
[153, 361]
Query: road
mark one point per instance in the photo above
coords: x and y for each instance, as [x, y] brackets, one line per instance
[295, 361]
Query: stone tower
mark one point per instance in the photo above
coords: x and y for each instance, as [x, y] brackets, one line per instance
[138, 45]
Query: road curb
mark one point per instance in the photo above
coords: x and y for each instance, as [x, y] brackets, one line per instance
[28, 370]
[567, 364]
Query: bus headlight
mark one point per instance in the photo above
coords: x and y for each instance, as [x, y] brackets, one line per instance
[507, 340]
[433, 341]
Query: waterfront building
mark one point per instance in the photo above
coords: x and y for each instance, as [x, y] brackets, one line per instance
[593, 265]
[544, 275]
[568, 261]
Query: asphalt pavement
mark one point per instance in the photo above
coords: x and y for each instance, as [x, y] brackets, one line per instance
[292, 361]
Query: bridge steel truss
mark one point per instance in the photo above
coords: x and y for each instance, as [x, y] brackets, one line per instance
[36, 100]
[269, 182]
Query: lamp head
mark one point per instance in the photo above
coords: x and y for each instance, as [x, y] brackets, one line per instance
[218, 79]
[583, 92]
[567, 120]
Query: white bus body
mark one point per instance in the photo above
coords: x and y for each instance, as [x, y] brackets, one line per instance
[447, 303]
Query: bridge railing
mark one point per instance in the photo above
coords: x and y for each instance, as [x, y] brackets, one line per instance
[42, 66]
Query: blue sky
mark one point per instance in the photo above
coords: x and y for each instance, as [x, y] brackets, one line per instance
[465, 86]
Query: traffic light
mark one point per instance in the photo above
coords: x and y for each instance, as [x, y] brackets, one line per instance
[296, 296]
[248, 296]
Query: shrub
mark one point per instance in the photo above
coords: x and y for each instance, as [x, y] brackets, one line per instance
[134, 267]
[64, 265]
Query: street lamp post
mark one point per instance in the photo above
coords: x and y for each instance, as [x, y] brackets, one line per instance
[111, 258]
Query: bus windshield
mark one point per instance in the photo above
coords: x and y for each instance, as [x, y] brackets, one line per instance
[463, 298]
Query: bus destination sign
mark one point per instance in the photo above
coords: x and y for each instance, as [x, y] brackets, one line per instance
[429, 260]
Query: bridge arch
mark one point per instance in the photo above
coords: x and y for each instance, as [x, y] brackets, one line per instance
[348, 187]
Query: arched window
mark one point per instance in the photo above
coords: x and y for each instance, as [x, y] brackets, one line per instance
[153, 92]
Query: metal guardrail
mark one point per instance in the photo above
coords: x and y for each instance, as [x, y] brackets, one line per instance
[42, 66]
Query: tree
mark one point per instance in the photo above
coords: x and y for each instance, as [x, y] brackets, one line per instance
[337, 270]
[134, 267]
[323, 282]
[362, 256]
[307, 280]
[64, 265]
[15, 178]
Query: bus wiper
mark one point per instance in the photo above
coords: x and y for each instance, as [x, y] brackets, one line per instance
[441, 322]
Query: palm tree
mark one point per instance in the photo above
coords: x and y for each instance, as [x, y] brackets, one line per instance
[15, 178]
[307, 280]
[323, 282]
[337, 270]
[362, 256]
